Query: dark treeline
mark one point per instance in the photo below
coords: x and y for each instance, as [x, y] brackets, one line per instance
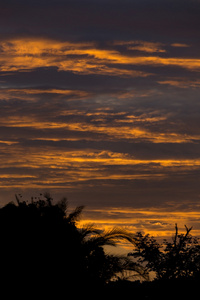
[45, 254]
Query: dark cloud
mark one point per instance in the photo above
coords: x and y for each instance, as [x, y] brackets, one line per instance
[102, 19]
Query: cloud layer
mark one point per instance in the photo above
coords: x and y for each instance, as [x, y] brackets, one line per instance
[99, 101]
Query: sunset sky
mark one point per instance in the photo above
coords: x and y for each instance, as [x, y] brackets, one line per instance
[100, 102]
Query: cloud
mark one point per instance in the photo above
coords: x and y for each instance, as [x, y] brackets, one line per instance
[148, 47]
[102, 19]
[181, 83]
[143, 46]
[99, 101]
[179, 45]
[84, 58]
[153, 221]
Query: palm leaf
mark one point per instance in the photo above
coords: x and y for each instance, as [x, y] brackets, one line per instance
[110, 237]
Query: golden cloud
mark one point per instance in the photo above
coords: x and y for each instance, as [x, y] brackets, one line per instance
[31, 94]
[148, 47]
[129, 127]
[181, 83]
[28, 54]
[151, 221]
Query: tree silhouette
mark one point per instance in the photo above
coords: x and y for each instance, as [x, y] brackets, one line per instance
[177, 259]
[44, 251]
[105, 267]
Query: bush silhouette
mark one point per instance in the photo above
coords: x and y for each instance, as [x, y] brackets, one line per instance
[178, 259]
[44, 252]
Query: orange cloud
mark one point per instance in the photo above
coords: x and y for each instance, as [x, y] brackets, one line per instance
[27, 54]
[148, 47]
[180, 83]
[133, 132]
[30, 94]
[151, 221]
[180, 45]
[126, 128]
[144, 46]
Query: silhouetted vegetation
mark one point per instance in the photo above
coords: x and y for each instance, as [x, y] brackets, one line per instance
[44, 253]
[43, 248]
[176, 259]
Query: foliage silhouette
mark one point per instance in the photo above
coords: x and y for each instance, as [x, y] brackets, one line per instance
[179, 259]
[45, 253]
[176, 264]
[44, 250]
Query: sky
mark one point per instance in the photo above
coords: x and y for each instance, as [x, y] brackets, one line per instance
[99, 103]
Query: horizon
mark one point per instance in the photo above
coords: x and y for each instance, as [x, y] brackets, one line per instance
[100, 104]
